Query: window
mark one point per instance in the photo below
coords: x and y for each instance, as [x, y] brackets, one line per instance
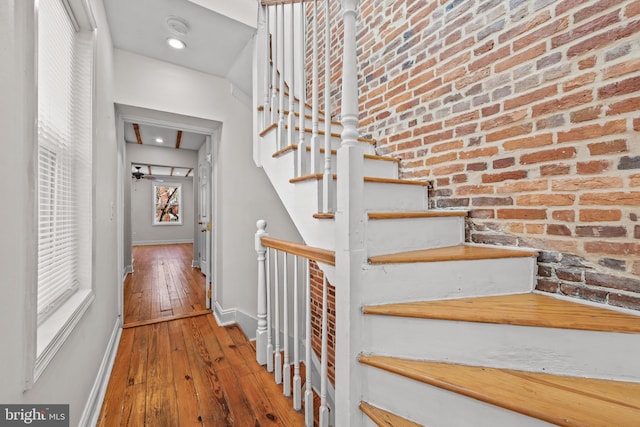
[64, 167]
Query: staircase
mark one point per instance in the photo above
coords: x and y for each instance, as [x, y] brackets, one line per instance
[432, 330]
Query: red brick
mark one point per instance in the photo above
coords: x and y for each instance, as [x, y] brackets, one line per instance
[597, 215]
[447, 146]
[632, 9]
[600, 231]
[504, 163]
[554, 170]
[631, 198]
[548, 155]
[621, 69]
[479, 166]
[482, 213]
[609, 147]
[558, 230]
[465, 190]
[525, 27]
[531, 97]
[489, 58]
[624, 87]
[586, 29]
[509, 132]
[520, 58]
[441, 159]
[578, 82]
[593, 131]
[636, 124]
[568, 5]
[528, 142]
[587, 63]
[466, 129]
[586, 114]
[523, 186]
[625, 106]
[593, 167]
[462, 118]
[489, 111]
[480, 152]
[504, 119]
[530, 214]
[564, 215]
[543, 33]
[604, 39]
[576, 184]
[448, 169]
[562, 104]
[612, 248]
[498, 177]
[546, 200]
[429, 139]
[623, 300]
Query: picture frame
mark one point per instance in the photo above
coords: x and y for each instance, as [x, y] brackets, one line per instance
[167, 203]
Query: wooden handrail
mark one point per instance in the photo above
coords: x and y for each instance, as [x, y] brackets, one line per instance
[309, 252]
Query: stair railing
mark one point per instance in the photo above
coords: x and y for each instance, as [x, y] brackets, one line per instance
[292, 273]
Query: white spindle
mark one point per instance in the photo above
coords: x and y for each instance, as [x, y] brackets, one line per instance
[327, 177]
[291, 122]
[297, 382]
[261, 331]
[308, 392]
[286, 367]
[278, 356]
[324, 409]
[269, 320]
[274, 68]
[267, 68]
[315, 109]
[302, 94]
[282, 134]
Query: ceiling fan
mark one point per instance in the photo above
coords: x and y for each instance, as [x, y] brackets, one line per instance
[139, 175]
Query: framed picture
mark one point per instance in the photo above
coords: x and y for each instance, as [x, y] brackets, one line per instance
[167, 204]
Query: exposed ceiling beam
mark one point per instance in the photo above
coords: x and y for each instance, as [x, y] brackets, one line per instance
[136, 129]
[178, 139]
[188, 172]
[171, 171]
[149, 170]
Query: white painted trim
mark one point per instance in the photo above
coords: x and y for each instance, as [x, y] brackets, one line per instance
[161, 242]
[127, 270]
[248, 323]
[195, 263]
[224, 317]
[96, 396]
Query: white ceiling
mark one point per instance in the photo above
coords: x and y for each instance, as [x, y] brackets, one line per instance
[149, 134]
[219, 34]
[155, 171]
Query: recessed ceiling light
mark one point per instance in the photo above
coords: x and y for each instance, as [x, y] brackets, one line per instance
[159, 140]
[176, 43]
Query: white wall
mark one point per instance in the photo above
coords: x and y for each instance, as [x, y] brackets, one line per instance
[70, 376]
[142, 230]
[242, 192]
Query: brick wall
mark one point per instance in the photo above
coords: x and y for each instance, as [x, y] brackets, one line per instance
[317, 277]
[525, 112]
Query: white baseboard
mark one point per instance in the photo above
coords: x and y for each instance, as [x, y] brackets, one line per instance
[248, 323]
[128, 269]
[160, 242]
[96, 396]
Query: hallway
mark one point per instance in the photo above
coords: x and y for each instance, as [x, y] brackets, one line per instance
[187, 371]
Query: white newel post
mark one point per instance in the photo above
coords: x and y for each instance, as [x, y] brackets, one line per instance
[261, 331]
[349, 219]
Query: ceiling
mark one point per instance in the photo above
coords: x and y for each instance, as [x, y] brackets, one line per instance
[219, 40]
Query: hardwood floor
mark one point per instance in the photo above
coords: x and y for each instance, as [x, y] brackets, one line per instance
[187, 371]
[163, 284]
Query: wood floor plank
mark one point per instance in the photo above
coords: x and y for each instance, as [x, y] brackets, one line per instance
[161, 404]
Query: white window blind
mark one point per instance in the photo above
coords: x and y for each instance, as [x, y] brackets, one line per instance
[64, 156]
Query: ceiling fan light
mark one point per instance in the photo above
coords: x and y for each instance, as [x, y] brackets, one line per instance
[176, 43]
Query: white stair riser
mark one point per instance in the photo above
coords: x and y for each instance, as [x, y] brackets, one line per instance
[570, 352]
[435, 407]
[372, 167]
[388, 283]
[380, 196]
[301, 200]
[399, 235]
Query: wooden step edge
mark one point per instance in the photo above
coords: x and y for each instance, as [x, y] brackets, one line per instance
[337, 135]
[384, 418]
[268, 129]
[560, 400]
[397, 181]
[324, 215]
[463, 252]
[309, 117]
[382, 158]
[533, 310]
[308, 177]
[416, 214]
[285, 150]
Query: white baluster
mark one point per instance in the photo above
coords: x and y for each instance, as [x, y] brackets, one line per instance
[324, 409]
[291, 129]
[269, 324]
[274, 68]
[286, 367]
[308, 392]
[297, 382]
[327, 177]
[302, 94]
[315, 109]
[261, 331]
[267, 69]
[282, 134]
[278, 356]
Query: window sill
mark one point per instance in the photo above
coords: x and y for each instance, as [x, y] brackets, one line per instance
[53, 332]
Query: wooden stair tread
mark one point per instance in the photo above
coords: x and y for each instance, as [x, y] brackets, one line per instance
[452, 253]
[319, 176]
[561, 400]
[385, 418]
[324, 215]
[416, 214]
[521, 309]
